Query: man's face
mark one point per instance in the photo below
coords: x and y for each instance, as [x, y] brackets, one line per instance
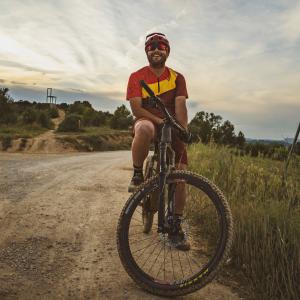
[156, 57]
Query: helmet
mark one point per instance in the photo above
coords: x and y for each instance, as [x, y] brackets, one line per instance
[156, 37]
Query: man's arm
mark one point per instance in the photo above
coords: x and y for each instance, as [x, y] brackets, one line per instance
[139, 112]
[181, 111]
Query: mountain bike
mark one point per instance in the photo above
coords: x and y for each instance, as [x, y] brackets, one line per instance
[143, 235]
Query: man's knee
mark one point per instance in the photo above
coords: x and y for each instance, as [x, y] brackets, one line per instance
[144, 128]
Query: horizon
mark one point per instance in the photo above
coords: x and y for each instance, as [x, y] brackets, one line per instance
[240, 59]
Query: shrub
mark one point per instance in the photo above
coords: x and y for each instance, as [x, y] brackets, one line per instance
[70, 123]
[280, 153]
[6, 143]
[121, 119]
[63, 106]
[44, 120]
[79, 107]
[53, 112]
[29, 116]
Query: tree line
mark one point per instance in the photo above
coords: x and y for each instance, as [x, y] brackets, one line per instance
[24, 113]
[81, 114]
[205, 127]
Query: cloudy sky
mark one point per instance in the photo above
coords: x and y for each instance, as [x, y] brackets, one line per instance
[240, 58]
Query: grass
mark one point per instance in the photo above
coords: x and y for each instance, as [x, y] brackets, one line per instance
[266, 213]
[18, 131]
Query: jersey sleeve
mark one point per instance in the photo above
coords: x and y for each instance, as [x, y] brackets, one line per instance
[181, 86]
[133, 88]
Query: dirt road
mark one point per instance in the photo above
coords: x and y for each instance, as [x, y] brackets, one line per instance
[58, 216]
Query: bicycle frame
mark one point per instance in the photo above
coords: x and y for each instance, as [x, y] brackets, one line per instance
[164, 170]
[165, 143]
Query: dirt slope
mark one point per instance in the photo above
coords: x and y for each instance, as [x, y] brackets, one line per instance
[58, 218]
[44, 143]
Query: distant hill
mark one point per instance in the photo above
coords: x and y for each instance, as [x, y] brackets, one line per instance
[286, 141]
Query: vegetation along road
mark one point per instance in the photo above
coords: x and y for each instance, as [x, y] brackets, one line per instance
[58, 216]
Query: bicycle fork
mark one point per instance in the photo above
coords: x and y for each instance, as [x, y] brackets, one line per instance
[164, 171]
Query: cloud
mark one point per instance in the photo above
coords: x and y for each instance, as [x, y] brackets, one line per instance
[18, 83]
[290, 23]
[239, 58]
[16, 65]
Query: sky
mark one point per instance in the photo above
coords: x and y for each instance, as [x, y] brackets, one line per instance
[240, 59]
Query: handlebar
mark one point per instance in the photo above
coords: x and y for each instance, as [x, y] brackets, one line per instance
[184, 134]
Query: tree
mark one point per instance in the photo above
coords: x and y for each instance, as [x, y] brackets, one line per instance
[44, 120]
[29, 116]
[122, 118]
[240, 140]
[227, 133]
[5, 106]
[79, 107]
[204, 125]
[70, 123]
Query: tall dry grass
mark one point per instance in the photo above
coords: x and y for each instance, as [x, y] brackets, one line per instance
[266, 214]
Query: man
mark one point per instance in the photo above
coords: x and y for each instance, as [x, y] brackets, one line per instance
[170, 86]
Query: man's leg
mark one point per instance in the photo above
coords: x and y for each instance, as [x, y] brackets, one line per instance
[144, 132]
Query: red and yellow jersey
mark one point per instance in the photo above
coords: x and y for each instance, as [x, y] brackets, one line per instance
[168, 86]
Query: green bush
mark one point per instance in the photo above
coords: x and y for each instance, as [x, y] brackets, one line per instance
[44, 120]
[280, 153]
[29, 116]
[53, 112]
[79, 107]
[121, 119]
[72, 123]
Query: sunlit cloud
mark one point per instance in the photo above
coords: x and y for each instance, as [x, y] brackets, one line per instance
[240, 59]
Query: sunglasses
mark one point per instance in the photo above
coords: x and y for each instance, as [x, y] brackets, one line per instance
[157, 45]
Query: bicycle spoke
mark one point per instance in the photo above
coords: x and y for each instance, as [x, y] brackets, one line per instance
[164, 261]
[156, 244]
[142, 252]
[163, 266]
[194, 261]
[180, 264]
[172, 264]
[149, 245]
[188, 259]
[136, 241]
[156, 259]
[137, 220]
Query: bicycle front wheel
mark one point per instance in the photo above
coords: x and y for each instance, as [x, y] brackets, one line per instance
[154, 262]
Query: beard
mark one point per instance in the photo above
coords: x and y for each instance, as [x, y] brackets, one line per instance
[157, 63]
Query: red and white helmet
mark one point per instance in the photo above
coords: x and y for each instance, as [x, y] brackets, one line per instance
[157, 37]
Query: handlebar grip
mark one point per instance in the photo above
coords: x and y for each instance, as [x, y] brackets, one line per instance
[146, 87]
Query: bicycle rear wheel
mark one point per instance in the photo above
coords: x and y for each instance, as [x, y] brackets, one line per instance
[153, 262]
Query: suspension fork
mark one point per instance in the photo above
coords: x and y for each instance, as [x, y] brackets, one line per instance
[163, 174]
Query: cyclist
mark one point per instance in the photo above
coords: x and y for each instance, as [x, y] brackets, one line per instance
[170, 86]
